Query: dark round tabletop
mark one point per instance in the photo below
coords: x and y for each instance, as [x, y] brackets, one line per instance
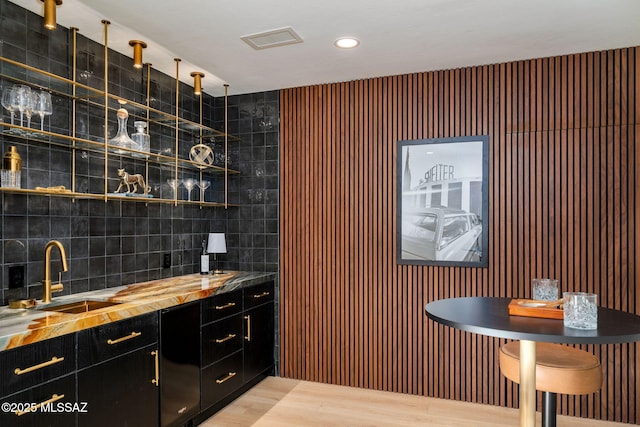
[490, 316]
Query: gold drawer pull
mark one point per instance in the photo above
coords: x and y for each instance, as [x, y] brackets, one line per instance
[227, 338]
[227, 378]
[248, 319]
[128, 337]
[227, 305]
[264, 294]
[156, 380]
[53, 361]
[54, 398]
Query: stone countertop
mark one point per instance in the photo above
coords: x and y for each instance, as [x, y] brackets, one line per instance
[28, 325]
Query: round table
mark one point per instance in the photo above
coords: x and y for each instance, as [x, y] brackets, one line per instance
[490, 316]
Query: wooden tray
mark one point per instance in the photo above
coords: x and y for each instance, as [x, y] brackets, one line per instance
[533, 308]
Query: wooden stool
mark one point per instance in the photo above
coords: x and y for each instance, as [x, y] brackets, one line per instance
[559, 369]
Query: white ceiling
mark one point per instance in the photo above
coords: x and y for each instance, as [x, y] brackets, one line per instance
[397, 37]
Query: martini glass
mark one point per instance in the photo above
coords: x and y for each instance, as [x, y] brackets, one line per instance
[174, 184]
[189, 184]
[203, 184]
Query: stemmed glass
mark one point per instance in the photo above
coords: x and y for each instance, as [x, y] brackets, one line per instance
[174, 184]
[23, 100]
[43, 106]
[30, 106]
[189, 183]
[203, 186]
[8, 101]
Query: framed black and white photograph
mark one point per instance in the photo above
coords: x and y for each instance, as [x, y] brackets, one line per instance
[442, 206]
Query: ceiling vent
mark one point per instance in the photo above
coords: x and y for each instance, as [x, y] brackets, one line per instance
[273, 38]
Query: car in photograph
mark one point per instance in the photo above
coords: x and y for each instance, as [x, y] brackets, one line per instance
[441, 234]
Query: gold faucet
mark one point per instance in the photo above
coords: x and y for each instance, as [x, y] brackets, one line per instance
[48, 288]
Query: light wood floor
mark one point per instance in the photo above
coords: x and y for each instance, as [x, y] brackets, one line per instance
[285, 402]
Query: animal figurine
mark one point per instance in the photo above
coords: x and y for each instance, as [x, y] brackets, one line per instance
[131, 180]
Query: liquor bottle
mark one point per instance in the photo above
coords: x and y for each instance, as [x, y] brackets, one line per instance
[204, 259]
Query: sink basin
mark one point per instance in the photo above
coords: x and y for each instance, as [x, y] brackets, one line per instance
[83, 306]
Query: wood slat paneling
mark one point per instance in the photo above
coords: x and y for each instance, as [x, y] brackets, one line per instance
[562, 203]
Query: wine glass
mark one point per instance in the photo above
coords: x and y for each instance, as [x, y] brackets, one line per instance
[203, 184]
[29, 106]
[8, 101]
[43, 106]
[189, 183]
[174, 184]
[23, 100]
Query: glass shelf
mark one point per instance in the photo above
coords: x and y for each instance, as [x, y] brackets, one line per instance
[24, 74]
[122, 197]
[59, 140]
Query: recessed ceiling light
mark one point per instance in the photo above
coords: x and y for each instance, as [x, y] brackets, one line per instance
[347, 42]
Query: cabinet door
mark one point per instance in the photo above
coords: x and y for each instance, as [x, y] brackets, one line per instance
[56, 409]
[258, 344]
[121, 391]
[179, 364]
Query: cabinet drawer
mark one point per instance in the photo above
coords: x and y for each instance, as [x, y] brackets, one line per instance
[221, 338]
[221, 378]
[258, 294]
[114, 339]
[56, 399]
[223, 305]
[36, 363]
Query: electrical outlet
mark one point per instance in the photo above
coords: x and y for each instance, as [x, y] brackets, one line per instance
[16, 276]
[166, 261]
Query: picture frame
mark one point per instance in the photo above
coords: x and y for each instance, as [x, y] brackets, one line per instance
[442, 201]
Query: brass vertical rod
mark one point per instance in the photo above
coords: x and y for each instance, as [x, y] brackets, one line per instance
[148, 92]
[226, 141]
[106, 107]
[74, 33]
[146, 170]
[201, 142]
[175, 196]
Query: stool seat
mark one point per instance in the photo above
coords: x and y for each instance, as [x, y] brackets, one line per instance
[559, 368]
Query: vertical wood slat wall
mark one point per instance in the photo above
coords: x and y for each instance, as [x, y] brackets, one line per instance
[564, 172]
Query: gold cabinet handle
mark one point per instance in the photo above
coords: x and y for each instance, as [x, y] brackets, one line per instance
[227, 378]
[248, 319]
[264, 294]
[53, 361]
[128, 337]
[54, 398]
[156, 380]
[227, 338]
[227, 305]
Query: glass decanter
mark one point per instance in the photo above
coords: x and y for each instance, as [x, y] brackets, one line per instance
[122, 139]
[141, 138]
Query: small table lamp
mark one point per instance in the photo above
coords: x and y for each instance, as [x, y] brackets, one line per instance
[216, 245]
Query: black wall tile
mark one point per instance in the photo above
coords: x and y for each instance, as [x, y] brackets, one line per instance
[116, 243]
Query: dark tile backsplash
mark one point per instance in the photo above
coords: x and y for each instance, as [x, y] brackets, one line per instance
[118, 242]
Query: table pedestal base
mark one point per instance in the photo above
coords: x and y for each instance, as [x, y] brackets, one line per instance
[527, 383]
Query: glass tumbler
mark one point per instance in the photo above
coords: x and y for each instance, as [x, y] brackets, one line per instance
[580, 310]
[545, 289]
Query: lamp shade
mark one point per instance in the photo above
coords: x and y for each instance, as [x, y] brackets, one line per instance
[217, 244]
